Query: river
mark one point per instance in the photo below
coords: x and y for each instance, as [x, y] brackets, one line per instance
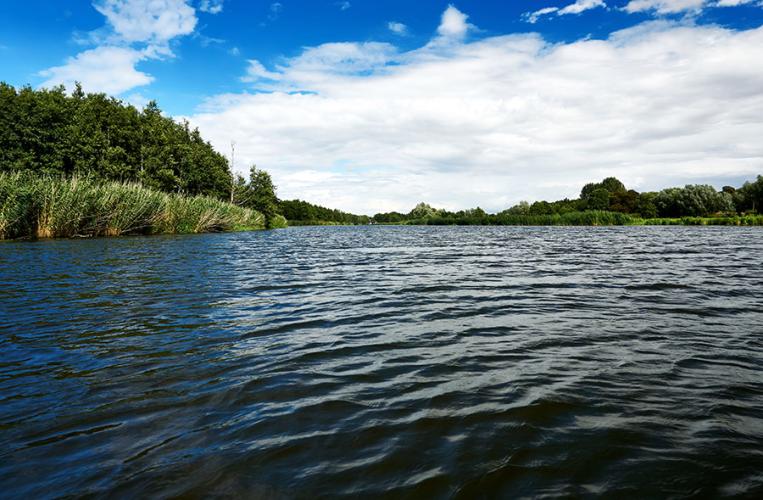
[433, 362]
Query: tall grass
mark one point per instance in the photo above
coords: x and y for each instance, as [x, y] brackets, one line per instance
[51, 207]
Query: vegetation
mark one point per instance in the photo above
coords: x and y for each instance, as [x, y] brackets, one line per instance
[51, 207]
[301, 213]
[90, 165]
[609, 202]
[47, 132]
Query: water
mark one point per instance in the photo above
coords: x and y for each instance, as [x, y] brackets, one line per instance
[407, 361]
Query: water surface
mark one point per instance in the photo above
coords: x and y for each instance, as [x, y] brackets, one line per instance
[407, 361]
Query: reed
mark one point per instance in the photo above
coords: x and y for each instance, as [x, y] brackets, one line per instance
[53, 207]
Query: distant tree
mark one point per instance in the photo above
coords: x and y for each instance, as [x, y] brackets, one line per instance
[521, 208]
[598, 199]
[422, 210]
[645, 206]
[751, 196]
[541, 208]
[692, 200]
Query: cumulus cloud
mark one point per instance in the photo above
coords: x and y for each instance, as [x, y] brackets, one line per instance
[397, 28]
[211, 6]
[136, 30]
[104, 69]
[504, 118]
[453, 23]
[573, 8]
[148, 20]
[344, 5]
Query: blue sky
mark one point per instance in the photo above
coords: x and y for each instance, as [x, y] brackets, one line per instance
[374, 105]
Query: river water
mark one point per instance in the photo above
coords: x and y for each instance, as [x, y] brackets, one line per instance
[431, 362]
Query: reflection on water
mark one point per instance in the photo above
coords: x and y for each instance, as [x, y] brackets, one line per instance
[402, 360]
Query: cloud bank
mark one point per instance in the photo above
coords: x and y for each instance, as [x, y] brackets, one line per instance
[458, 123]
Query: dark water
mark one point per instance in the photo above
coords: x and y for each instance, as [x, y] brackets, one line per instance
[426, 362]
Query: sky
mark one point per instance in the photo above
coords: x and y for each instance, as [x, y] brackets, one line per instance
[371, 106]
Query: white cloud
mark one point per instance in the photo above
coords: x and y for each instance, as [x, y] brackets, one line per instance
[680, 6]
[532, 17]
[321, 64]
[664, 6]
[137, 30]
[453, 23]
[256, 72]
[155, 21]
[344, 5]
[397, 28]
[504, 118]
[577, 7]
[581, 6]
[103, 69]
[211, 6]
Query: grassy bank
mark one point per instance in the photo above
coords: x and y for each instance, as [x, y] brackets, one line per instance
[52, 207]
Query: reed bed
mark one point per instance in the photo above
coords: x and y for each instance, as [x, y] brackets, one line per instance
[53, 207]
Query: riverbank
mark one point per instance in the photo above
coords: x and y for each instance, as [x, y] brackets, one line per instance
[53, 207]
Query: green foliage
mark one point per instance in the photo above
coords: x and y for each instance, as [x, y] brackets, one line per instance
[692, 201]
[606, 203]
[610, 185]
[390, 218]
[301, 213]
[598, 199]
[48, 132]
[749, 198]
[587, 218]
[33, 206]
[521, 208]
[645, 205]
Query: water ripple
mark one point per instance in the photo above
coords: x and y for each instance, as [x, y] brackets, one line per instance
[399, 361]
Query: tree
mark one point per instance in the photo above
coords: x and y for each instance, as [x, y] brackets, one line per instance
[598, 199]
[692, 201]
[521, 208]
[645, 205]
[263, 193]
[421, 211]
[751, 196]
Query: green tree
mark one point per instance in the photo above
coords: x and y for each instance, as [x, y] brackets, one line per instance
[263, 193]
[598, 199]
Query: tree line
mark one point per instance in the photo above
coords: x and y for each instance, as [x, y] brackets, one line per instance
[611, 196]
[50, 132]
